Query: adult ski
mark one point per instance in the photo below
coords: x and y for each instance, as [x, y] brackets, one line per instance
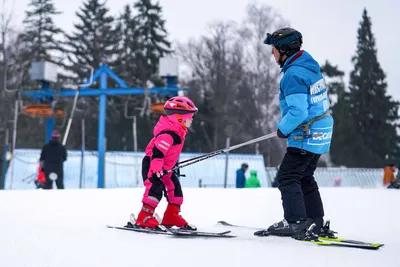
[322, 241]
[341, 244]
[350, 241]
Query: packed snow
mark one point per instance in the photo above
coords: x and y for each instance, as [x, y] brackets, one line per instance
[65, 228]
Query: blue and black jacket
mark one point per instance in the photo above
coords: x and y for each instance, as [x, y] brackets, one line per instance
[304, 99]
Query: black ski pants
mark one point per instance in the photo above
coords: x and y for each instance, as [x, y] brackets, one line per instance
[155, 187]
[299, 190]
[59, 181]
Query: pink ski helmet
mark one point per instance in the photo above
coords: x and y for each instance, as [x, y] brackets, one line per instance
[181, 106]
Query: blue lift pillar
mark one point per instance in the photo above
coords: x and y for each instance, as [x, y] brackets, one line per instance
[49, 121]
[49, 128]
[102, 131]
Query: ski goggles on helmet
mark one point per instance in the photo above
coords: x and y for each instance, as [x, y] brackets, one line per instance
[277, 39]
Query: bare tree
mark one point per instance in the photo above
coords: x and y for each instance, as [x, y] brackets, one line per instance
[264, 77]
[5, 29]
[217, 67]
[235, 79]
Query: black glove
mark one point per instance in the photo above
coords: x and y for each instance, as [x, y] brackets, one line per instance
[178, 172]
[280, 134]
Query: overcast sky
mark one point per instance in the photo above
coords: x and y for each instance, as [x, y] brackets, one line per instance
[329, 28]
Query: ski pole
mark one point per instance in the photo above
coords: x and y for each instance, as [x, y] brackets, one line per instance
[199, 157]
[215, 153]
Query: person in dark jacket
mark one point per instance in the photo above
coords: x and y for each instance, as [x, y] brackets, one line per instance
[52, 160]
[240, 177]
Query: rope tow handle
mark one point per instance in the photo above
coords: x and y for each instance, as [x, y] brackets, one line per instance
[90, 82]
[305, 127]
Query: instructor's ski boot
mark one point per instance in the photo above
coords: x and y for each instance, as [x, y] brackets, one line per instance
[321, 229]
[146, 218]
[315, 228]
[283, 228]
[307, 234]
[173, 218]
[326, 231]
[319, 222]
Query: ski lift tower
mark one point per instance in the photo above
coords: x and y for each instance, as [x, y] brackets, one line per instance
[47, 73]
[168, 70]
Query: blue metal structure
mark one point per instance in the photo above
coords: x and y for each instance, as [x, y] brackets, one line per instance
[49, 121]
[103, 73]
[4, 166]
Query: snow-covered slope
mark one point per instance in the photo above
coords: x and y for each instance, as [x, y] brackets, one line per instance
[67, 228]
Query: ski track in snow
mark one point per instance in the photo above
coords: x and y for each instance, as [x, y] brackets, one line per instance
[68, 228]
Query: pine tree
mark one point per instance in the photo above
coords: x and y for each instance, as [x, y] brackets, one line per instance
[39, 40]
[370, 114]
[334, 80]
[95, 40]
[339, 101]
[127, 67]
[143, 43]
[152, 38]
[41, 35]
[345, 133]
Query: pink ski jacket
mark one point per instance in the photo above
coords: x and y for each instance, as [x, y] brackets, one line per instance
[166, 146]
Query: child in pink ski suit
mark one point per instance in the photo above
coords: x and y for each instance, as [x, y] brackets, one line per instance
[162, 154]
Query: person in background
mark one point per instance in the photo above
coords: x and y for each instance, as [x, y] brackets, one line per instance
[337, 182]
[388, 174]
[40, 179]
[240, 177]
[253, 181]
[395, 184]
[52, 160]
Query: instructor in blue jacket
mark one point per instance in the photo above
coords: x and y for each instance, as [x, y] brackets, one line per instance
[307, 125]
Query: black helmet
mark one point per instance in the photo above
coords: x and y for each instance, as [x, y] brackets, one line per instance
[287, 40]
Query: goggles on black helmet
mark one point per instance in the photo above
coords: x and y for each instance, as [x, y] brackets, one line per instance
[277, 39]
